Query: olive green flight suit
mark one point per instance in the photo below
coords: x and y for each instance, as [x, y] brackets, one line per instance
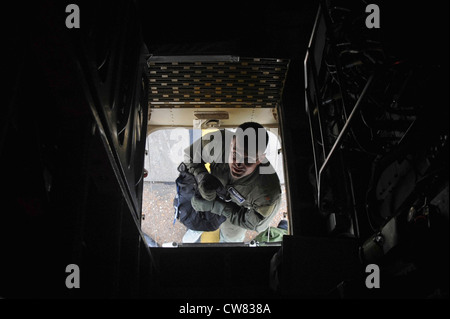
[255, 199]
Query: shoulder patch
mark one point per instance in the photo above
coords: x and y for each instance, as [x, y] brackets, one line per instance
[234, 193]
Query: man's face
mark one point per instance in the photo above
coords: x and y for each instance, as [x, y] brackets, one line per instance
[239, 161]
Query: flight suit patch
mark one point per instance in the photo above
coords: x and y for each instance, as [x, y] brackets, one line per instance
[235, 194]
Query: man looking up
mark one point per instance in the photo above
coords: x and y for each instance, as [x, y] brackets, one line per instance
[248, 186]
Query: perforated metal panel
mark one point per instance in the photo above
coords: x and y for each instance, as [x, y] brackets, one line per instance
[234, 82]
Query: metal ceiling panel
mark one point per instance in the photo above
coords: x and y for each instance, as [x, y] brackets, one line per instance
[215, 81]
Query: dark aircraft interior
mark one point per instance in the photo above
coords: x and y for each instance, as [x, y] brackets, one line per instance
[362, 114]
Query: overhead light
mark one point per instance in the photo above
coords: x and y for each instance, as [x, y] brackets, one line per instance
[211, 115]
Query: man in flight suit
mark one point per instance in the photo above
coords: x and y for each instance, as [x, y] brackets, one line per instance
[241, 171]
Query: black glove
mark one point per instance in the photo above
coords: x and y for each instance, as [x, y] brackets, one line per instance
[208, 185]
